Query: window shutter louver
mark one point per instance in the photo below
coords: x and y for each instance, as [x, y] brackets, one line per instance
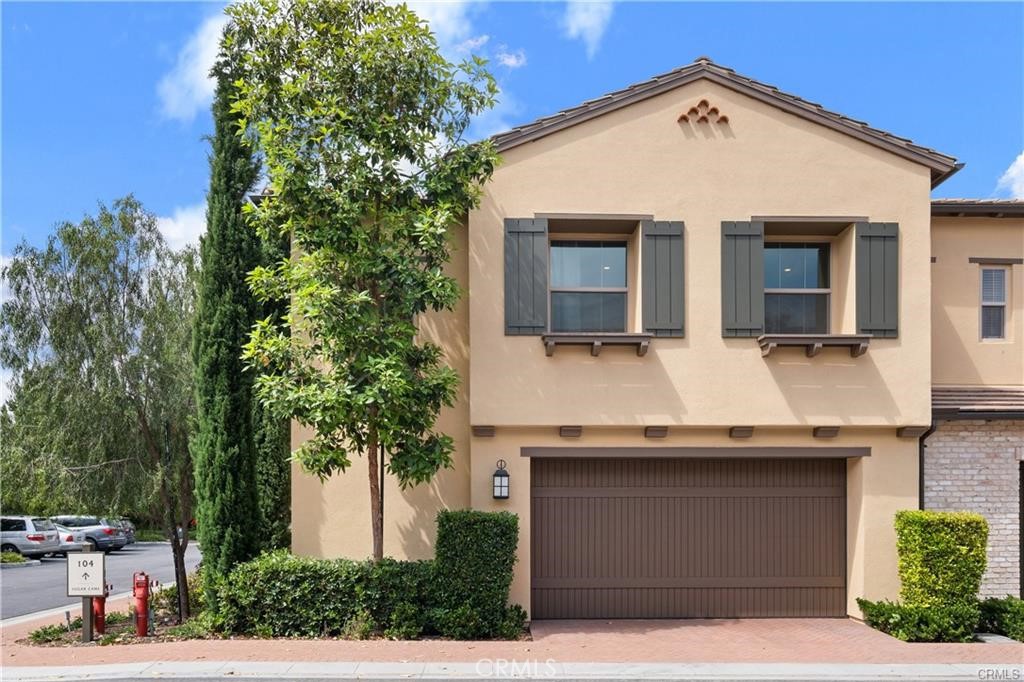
[663, 277]
[526, 276]
[742, 279]
[878, 279]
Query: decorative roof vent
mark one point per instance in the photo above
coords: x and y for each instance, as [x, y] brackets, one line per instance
[703, 112]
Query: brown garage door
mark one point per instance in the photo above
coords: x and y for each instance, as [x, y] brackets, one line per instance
[688, 538]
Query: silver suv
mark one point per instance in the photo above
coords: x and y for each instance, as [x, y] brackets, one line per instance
[100, 533]
[28, 535]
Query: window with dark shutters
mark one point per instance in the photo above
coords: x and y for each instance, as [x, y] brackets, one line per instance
[663, 285]
[742, 279]
[878, 279]
[526, 276]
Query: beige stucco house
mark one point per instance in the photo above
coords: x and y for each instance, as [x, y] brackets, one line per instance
[712, 331]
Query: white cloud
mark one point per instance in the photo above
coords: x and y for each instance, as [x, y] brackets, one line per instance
[497, 119]
[448, 19]
[1013, 179]
[512, 60]
[5, 291]
[187, 88]
[472, 44]
[184, 226]
[587, 20]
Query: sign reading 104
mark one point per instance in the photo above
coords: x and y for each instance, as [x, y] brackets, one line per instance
[86, 574]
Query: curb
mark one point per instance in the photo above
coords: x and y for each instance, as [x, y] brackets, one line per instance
[521, 670]
[24, 564]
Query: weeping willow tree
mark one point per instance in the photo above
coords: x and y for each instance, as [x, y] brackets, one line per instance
[96, 334]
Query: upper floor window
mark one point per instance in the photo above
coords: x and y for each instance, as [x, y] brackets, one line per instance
[993, 303]
[588, 286]
[796, 288]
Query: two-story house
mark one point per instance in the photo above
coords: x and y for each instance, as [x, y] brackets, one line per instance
[704, 323]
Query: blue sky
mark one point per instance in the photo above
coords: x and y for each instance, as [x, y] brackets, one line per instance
[104, 99]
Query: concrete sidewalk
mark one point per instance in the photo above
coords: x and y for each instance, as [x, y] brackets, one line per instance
[519, 670]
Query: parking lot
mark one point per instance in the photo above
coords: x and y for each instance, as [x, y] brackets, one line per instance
[37, 588]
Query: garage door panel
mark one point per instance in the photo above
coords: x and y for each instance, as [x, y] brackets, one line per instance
[688, 538]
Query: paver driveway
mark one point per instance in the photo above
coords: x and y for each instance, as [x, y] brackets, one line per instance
[659, 641]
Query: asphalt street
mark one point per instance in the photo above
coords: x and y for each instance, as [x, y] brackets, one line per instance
[36, 588]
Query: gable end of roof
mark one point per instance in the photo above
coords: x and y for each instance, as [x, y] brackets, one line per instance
[941, 165]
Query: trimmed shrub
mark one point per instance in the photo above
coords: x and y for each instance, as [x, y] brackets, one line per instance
[282, 595]
[475, 554]
[463, 594]
[1004, 617]
[513, 624]
[952, 623]
[941, 557]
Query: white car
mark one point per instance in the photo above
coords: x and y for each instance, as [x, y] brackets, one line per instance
[71, 539]
[29, 536]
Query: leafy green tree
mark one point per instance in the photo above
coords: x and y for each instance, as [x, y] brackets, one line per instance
[96, 333]
[361, 123]
[224, 447]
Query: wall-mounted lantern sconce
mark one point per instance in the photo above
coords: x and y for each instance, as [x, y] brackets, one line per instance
[501, 482]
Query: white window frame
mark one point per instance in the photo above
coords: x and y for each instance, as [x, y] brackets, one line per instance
[982, 303]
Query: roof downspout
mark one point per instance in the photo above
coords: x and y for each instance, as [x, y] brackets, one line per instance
[920, 462]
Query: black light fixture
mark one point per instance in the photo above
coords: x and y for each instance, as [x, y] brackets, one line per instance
[501, 481]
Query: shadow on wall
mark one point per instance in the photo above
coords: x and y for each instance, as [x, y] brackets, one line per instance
[952, 349]
[832, 378]
[449, 489]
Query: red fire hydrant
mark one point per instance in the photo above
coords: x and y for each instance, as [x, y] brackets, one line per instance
[140, 590]
[99, 611]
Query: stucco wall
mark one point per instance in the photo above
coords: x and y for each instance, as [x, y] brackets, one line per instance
[332, 519]
[877, 487]
[639, 160]
[975, 466]
[959, 356]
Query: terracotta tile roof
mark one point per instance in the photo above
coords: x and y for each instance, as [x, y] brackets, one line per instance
[942, 165]
[965, 402]
[997, 208]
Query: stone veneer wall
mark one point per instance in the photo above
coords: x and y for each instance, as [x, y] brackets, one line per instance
[975, 466]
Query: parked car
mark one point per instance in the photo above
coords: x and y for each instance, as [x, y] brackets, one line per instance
[129, 530]
[29, 536]
[100, 533]
[71, 539]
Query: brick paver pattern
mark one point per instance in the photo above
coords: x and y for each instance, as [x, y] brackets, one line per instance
[770, 640]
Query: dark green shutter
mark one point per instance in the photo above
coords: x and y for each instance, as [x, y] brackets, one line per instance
[526, 276]
[662, 284]
[878, 249]
[742, 278]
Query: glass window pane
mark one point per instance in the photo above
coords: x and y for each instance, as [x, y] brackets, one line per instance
[795, 266]
[992, 321]
[796, 313]
[588, 264]
[993, 285]
[772, 268]
[588, 312]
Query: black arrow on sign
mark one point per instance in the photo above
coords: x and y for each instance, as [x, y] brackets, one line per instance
[85, 576]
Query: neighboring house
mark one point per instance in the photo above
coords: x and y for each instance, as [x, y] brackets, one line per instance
[697, 336]
[973, 460]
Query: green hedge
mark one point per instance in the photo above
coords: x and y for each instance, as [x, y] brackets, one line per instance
[952, 623]
[1004, 616]
[941, 557]
[462, 594]
[476, 552]
[282, 595]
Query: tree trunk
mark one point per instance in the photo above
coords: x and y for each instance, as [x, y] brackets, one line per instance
[178, 548]
[376, 506]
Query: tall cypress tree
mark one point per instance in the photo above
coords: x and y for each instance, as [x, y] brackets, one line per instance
[224, 450]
